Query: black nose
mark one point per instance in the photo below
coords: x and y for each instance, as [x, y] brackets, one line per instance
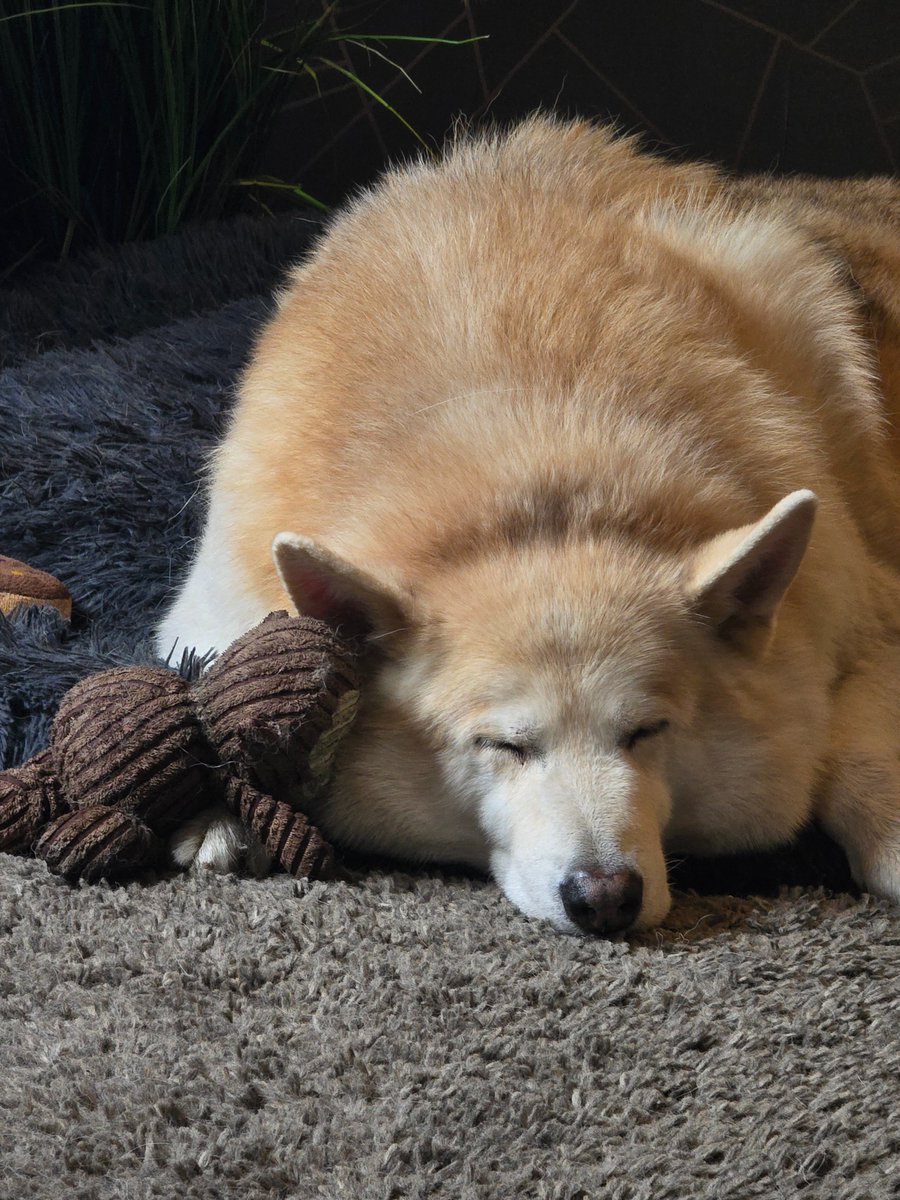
[602, 902]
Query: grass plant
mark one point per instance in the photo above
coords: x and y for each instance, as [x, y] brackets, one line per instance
[122, 119]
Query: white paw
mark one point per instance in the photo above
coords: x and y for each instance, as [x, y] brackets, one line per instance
[879, 872]
[215, 840]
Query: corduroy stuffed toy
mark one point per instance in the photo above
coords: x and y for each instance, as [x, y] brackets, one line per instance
[135, 752]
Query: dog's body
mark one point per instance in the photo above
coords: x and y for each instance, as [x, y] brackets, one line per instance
[551, 420]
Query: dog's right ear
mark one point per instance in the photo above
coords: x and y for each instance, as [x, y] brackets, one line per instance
[324, 586]
[737, 580]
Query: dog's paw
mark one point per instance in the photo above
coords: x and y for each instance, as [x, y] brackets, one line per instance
[878, 871]
[215, 840]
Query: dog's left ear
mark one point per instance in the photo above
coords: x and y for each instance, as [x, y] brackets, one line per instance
[323, 585]
[738, 579]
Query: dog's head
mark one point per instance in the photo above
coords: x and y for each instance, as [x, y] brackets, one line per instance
[549, 712]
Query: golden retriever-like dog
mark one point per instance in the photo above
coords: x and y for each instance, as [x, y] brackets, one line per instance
[599, 453]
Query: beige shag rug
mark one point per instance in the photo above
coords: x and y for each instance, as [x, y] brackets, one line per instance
[411, 1035]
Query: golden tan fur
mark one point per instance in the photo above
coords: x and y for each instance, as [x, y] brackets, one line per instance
[390, 310]
[527, 397]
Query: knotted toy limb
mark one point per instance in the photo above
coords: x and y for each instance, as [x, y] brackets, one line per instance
[30, 799]
[286, 835]
[135, 752]
[79, 843]
[99, 843]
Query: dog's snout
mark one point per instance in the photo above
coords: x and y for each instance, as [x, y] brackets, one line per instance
[602, 902]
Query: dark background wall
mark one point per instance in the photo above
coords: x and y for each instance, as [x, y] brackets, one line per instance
[99, 146]
[771, 85]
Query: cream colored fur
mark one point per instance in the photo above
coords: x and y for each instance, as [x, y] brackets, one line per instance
[590, 443]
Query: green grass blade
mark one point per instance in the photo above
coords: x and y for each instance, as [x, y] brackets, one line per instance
[402, 37]
[281, 185]
[378, 53]
[363, 86]
[57, 8]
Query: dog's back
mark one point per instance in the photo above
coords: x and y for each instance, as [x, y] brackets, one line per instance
[460, 348]
[857, 220]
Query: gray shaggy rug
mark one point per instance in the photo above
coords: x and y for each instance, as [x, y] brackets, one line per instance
[403, 1033]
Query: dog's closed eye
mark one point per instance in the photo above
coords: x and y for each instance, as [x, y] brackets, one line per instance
[521, 751]
[630, 739]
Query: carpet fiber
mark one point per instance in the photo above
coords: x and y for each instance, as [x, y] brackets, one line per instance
[403, 1033]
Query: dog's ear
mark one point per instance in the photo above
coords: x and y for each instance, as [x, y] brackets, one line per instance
[323, 585]
[737, 580]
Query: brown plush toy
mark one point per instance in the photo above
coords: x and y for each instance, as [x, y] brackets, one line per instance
[135, 752]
